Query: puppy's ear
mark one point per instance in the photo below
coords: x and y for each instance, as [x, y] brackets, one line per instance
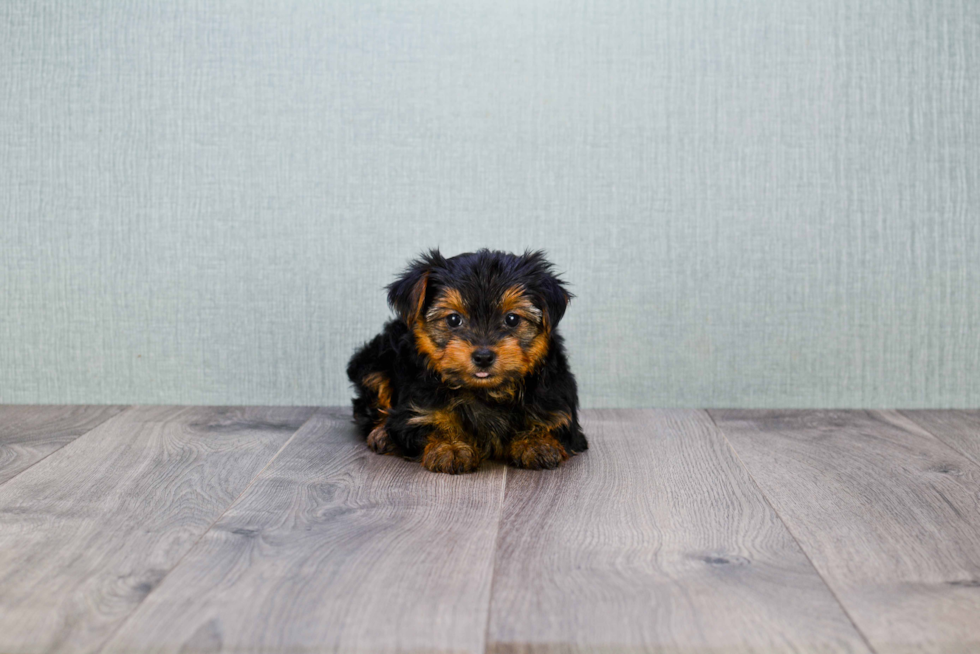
[556, 298]
[407, 294]
[551, 289]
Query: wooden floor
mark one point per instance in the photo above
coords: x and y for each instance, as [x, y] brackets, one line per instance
[206, 529]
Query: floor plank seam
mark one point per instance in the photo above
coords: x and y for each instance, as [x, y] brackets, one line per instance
[207, 531]
[74, 440]
[765, 498]
[953, 446]
[493, 562]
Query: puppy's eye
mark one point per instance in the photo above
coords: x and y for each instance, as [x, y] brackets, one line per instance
[512, 320]
[454, 320]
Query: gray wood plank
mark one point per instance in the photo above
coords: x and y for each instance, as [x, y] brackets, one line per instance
[28, 433]
[654, 540]
[89, 531]
[334, 548]
[958, 429]
[889, 515]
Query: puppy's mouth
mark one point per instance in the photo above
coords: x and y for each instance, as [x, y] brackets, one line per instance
[485, 378]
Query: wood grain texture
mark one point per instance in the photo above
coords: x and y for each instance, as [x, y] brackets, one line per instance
[87, 533]
[889, 515]
[958, 429]
[654, 540]
[28, 433]
[334, 548]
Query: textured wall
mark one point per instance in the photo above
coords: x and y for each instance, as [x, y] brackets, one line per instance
[758, 203]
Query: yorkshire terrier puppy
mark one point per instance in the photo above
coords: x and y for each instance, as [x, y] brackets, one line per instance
[473, 367]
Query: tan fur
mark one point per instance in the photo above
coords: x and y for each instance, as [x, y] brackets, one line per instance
[379, 383]
[514, 300]
[449, 448]
[378, 440]
[538, 351]
[537, 450]
[536, 447]
[443, 420]
[549, 422]
[449, 301]
[417, 299]
[425, 345]
[455, 357]
[453, 458]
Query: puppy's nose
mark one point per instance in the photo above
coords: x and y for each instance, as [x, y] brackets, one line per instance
[483, 357]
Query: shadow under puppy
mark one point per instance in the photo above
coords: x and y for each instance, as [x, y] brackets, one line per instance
[473, 366]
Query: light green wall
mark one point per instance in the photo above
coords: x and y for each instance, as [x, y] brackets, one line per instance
[758, 203]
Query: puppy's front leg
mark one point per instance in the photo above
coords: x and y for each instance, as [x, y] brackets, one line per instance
[379, 441]
[536, 446]
[448, 447]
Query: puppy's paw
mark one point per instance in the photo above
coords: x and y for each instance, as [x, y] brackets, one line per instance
[379, 442]
[537, 453]
[450, 457]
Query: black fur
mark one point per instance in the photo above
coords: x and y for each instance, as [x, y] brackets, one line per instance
[490, 422]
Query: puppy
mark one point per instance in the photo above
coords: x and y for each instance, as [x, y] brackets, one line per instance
[472, 368]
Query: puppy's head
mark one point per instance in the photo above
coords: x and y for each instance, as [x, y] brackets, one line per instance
[481, 319]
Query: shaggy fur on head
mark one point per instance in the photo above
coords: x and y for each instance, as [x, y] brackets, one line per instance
[472, 367]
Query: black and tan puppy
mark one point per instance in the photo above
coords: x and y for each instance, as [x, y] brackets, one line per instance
[473, 366]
